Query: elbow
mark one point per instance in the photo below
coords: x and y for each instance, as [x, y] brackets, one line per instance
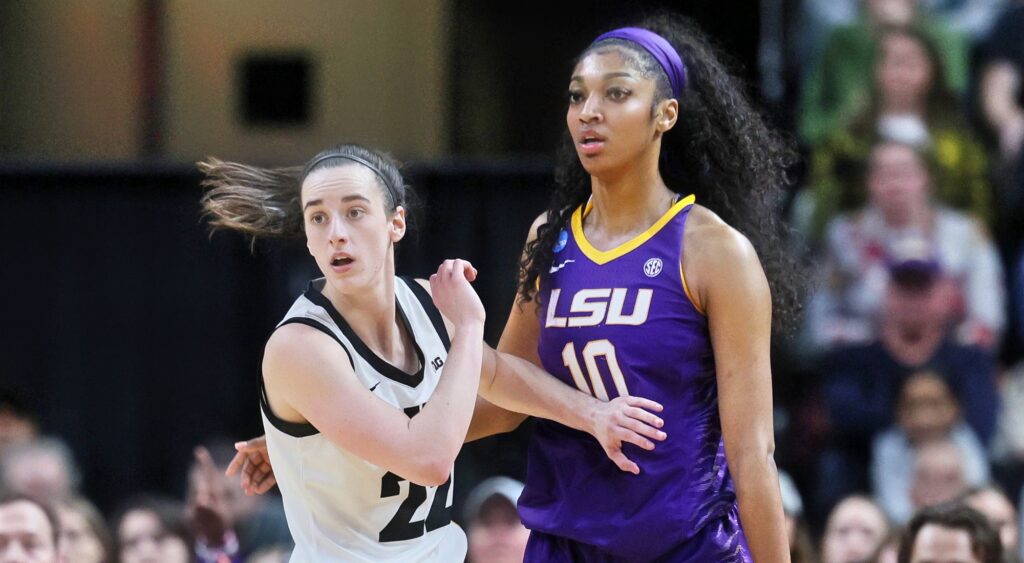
[435, 473]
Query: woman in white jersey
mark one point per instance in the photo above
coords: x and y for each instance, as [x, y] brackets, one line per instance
[362, 427]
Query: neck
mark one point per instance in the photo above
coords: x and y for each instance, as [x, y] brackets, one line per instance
[919, 217]
[372, 314]
[898, 106]
[631, 200]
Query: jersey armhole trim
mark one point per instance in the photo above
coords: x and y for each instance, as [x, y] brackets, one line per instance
[686, 290]
[295, 429]
[428, 305]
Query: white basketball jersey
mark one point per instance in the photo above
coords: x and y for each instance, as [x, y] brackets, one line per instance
[339, 506]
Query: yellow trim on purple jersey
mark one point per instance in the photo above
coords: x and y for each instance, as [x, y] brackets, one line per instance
[686, 290]
[602, 257]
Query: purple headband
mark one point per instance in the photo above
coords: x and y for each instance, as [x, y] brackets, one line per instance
[659, 48]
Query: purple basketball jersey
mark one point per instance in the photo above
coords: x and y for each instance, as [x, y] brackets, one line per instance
[621, 322]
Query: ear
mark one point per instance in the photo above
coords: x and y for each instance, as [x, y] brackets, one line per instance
[668, 113]
[396, 226]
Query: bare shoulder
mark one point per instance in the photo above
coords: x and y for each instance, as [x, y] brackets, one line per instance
[294, 345]
[711, 244]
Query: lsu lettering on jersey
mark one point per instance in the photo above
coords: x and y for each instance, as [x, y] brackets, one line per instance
[339, 506]
[621, 322]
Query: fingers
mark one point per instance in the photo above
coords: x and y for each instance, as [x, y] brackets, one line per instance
[623, 462]
[236, 464]
[643, 422]
[250, 446]
[643, 403]
[453, 267]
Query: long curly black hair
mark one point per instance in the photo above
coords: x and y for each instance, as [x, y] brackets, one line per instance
[721, 150]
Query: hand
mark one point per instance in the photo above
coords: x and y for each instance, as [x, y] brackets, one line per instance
[454, 296]
[253, 461]
[208, 510]
[623, 419]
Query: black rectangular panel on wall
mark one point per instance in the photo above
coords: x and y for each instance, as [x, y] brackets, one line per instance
[275, 89]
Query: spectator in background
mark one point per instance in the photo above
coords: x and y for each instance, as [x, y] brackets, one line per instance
[43, 469]
[84, 536]
[1001, 515]
[950, 532]
[839, 85]
[902, 222]
[889, 551]
[927, 412]
[854, 531]
[1001, 97]
[861, 383]
[939, 475]
[908, 102]
[153, 530]
[801, 550]
[18, 422]
[496, 534]
[224, 519]
[28, 531]
[1008, 444]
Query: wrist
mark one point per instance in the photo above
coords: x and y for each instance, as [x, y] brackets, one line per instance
[470, 329]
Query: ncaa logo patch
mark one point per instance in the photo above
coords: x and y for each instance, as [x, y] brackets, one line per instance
[563, 239]
[652, 267]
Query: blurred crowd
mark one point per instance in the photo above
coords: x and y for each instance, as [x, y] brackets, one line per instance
[912, 124]
[908, 428]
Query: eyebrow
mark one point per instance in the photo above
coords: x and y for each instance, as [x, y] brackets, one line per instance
[346, 199]
[608, 76]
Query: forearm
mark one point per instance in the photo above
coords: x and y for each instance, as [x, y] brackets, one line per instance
[757, 491]
[442, 425]
[519, 386]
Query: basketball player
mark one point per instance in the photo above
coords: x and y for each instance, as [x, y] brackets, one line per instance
[640, 279]
[361, 426]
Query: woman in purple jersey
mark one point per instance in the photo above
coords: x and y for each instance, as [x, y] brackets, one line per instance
[652, 117]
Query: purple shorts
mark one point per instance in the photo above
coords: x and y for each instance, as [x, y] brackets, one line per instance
[721, 540]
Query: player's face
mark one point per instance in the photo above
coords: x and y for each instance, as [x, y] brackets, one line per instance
[349, 232]
[610, 115]
[26, 534]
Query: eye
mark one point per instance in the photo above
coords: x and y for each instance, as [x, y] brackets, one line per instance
[617, 94]
[356, 212]
[575, 96]
[318, 218]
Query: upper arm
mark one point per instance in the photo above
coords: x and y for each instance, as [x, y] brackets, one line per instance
[309, 373]
[522, 329]
[733, 289]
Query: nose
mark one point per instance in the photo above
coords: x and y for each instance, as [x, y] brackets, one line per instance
[338, 232]
[590, 112]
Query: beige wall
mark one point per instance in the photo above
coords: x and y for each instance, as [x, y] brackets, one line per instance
[379, 75]
[69, 77]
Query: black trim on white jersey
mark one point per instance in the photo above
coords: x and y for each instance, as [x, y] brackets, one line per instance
[382, 367]
[428, 305]
[296, 429]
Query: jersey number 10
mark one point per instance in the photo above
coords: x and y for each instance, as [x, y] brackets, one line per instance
[591, 351]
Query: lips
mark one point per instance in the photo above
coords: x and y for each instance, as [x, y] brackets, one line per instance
[591, 143]
[341, 261]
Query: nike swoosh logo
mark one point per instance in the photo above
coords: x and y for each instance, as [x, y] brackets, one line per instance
[555, 269]
[374, 386]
